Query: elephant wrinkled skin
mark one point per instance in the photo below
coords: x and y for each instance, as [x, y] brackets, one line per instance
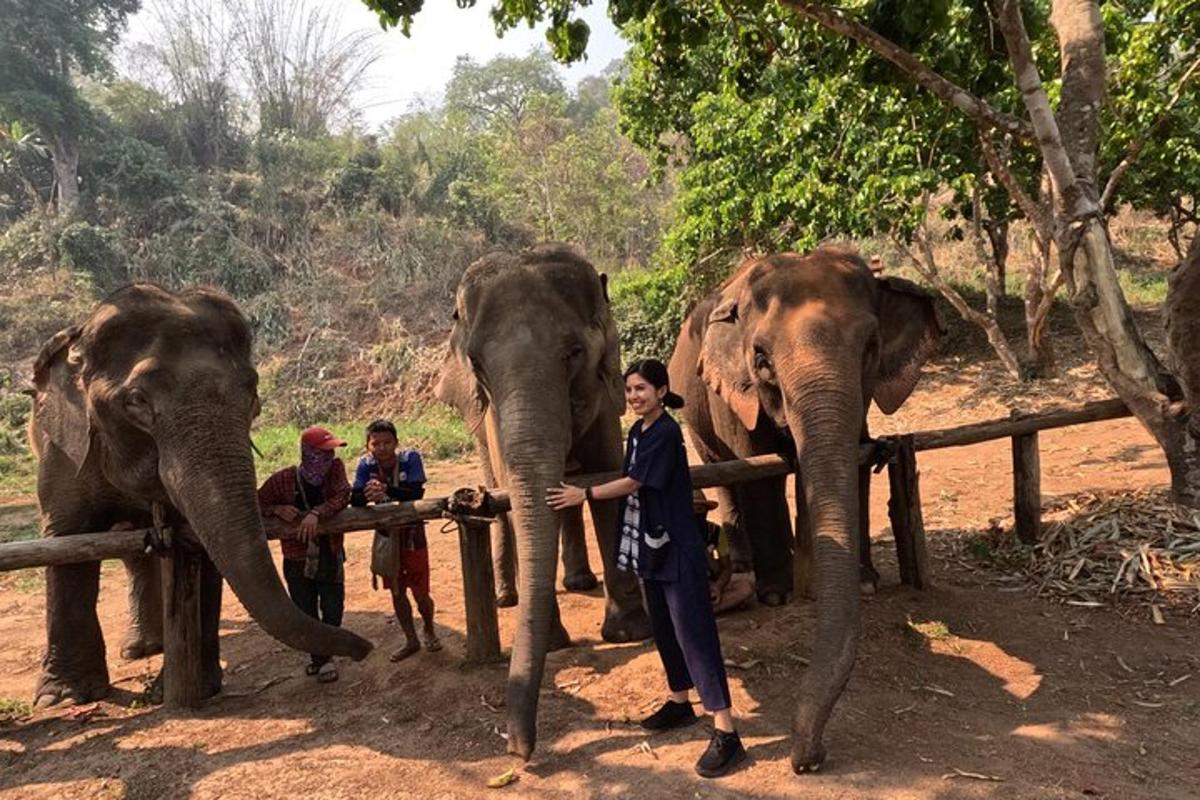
[785, 358]
[534, 368]
[150, 401]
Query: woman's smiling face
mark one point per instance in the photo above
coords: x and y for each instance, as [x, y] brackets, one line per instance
[641, 394]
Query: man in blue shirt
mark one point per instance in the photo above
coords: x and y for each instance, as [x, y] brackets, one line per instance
[387, 475]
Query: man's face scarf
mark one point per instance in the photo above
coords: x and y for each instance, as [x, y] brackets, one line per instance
[315, 464]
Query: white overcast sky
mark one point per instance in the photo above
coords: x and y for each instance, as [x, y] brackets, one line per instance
[418, 67]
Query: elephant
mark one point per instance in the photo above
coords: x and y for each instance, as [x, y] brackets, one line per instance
[148, 404]
[785, 357]
[533, 366]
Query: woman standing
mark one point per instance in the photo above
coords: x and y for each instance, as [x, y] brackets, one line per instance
[660, 541]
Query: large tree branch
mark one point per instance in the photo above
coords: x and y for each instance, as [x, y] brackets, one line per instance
[1135, 145]
[984, 115]
[1041, 222]
[1045, 126]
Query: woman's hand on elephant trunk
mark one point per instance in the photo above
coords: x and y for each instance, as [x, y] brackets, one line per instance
[308, 527]
[565, 496]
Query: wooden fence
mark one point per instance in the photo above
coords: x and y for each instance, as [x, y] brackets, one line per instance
[473, 511]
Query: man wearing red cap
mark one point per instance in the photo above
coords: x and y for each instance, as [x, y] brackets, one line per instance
[314, 490]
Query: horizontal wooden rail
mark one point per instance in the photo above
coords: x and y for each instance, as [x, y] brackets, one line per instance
[122, 544]
[1020, 424]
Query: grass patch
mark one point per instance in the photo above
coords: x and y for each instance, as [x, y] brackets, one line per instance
[437, 431]
[18, 475]
[1143, 288]
[20, 533]
[12, 710]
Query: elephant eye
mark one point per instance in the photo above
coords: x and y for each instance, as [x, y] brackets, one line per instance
[762, 365]
[136, 397]
[575, 352]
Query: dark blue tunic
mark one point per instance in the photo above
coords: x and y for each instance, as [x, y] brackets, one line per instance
[656, 458]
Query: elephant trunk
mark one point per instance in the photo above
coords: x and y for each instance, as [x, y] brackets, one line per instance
[210, 479]
[826, 438]
[534, 453]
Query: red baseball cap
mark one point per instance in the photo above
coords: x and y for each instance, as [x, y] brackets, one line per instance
[318, 437]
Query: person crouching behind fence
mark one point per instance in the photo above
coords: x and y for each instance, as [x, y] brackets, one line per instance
[314, 490]
[400, 553]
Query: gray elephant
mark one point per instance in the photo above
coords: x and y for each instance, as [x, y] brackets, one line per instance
[785, 358]
[150, 402]
[534, 368]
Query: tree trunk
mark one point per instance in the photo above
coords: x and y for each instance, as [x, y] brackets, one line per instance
[65, 149]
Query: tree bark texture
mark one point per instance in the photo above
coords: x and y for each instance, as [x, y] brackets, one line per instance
[65, 157]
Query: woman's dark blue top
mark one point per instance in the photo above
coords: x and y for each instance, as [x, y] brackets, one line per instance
[656, 459]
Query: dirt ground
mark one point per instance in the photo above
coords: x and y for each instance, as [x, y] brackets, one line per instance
[963, 690]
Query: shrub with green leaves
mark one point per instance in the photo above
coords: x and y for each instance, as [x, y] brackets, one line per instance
[96, 252]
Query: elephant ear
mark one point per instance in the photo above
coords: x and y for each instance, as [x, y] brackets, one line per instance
[723, 365]
[909, 332]
[609, 368]
[60, 409]
[457, 387]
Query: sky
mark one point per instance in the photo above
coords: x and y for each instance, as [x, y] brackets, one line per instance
[417, 68]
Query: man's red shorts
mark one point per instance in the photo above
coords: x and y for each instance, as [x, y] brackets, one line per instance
[414, 573]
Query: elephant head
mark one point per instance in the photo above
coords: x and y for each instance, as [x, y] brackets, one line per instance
[534, 361]
[804, 343]
[157, 389]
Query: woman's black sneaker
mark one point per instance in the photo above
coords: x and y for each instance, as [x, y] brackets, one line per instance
[724, 752]
[671, 715]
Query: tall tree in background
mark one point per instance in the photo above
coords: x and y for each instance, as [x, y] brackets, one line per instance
[502, 89]
[301, 70]
[195, 47]
[42, 47]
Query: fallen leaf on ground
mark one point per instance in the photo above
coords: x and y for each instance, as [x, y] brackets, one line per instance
[503, 779]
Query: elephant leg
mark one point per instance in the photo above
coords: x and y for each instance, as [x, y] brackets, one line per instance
[211, 588]
[74, 667]
[764, 517]
[145, 634]
[868, 578]
[740, 552]
[625, 618]
[577, 573]
[804, 571]
[559, 638]
[504, 541]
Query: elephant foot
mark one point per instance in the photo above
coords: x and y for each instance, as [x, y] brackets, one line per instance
[773, 598]
[559, 639]
[54, 693]
[506, 599]
[632, 627]
[807, 758]
[58, 691]
[580, 582]
[139, 648]
[868, 580]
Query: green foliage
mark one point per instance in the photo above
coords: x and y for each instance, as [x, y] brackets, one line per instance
[11, 710]
[649, 307]
[95, 252]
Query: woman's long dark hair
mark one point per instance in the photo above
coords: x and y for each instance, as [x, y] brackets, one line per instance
[654, 372]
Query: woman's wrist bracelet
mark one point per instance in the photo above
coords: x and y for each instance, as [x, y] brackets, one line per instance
[587, 493]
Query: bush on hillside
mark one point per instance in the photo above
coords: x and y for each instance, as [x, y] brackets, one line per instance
[96, 252]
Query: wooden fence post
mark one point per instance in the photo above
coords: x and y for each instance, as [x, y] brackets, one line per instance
[479, 590]
[182, 675]
[1027, 487]
[904, 510]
